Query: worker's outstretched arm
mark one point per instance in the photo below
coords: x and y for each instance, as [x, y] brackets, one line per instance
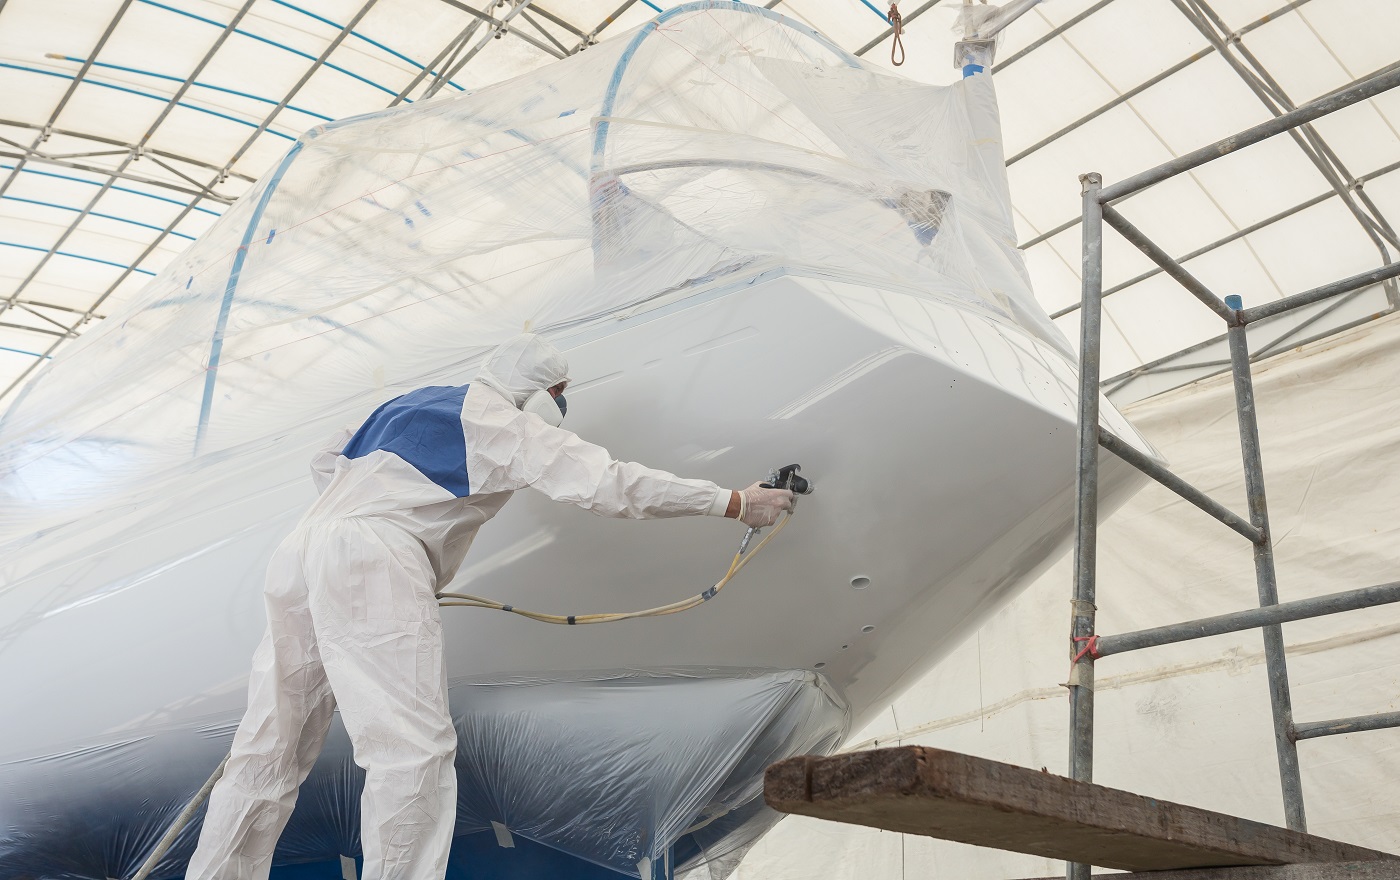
[509, 450]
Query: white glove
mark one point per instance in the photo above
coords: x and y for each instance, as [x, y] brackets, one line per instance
[759, 507]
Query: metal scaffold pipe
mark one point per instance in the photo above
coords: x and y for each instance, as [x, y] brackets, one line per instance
[1086, 513]
[1304, 114]
[1180, 487]
[1346, 725]
[1169, 265]
[1265, 575]
[1272, 615]
[1318, 294]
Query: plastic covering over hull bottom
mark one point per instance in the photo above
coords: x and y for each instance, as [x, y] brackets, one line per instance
[614, 768]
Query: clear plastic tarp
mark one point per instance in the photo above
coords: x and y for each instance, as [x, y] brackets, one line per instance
[384, 248]
[562, 761]
[391, 250]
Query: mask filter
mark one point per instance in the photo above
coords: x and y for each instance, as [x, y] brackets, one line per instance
[547, 407]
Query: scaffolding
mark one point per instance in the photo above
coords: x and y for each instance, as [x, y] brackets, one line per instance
[1086, 645]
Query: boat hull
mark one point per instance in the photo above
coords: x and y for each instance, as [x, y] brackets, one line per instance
[942, 447]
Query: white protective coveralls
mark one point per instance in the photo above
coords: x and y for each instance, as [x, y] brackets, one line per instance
[353, 615]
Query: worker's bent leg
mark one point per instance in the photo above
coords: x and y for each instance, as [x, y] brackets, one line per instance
[376, 615]
[289, 711]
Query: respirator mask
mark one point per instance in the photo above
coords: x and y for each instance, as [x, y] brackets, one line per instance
[548, 407]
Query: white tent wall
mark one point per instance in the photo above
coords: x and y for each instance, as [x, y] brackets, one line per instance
[1187, 722]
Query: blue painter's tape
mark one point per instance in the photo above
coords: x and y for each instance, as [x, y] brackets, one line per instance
[970, 69]
[270, 233]
[1234, 301]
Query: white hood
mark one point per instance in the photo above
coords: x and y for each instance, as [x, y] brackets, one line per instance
[522, 365]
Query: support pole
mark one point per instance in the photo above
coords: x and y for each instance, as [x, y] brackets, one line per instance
[1180, 487]
[1265, 576]
[1318, 294]
[1347, 725]
[1168, 265]
[1086, 512]
[1269, 615]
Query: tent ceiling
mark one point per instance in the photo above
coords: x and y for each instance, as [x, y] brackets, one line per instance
[127, 126]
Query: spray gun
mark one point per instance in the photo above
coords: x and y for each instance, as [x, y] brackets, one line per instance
[786, 477]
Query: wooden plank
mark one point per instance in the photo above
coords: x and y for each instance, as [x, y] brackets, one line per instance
[1328, 871]
[926, 791]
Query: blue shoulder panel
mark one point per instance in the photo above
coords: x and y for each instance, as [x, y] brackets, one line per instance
[424, 428]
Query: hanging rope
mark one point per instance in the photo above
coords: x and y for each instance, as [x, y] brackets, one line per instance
[897, 22]
[741, 559]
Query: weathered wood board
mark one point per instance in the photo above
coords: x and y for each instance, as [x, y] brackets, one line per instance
[1329, 871]
[958, 797]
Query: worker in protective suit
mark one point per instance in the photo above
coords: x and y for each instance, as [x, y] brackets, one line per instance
[353, 613]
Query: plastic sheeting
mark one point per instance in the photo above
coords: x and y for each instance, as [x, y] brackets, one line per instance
[1187, 722]
[392, 250]
[386, 247]
[565, 762]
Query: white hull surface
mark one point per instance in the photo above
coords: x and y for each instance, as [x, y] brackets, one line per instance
[751, 258]
[941, 445]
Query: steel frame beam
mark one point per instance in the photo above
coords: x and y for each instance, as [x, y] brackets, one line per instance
[534, 23]
[497, 32]
[136, 150]
[445, 59]
[68, 93]
[504, 26]
[32, 158]
[1055, 32]
[1136, 90]
[1257, 77]
[122, 147]
[113, 176]
[887, 32]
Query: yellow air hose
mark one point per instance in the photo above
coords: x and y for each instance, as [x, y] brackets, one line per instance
[741, 559]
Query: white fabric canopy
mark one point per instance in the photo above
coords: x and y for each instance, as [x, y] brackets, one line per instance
[103, 180]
